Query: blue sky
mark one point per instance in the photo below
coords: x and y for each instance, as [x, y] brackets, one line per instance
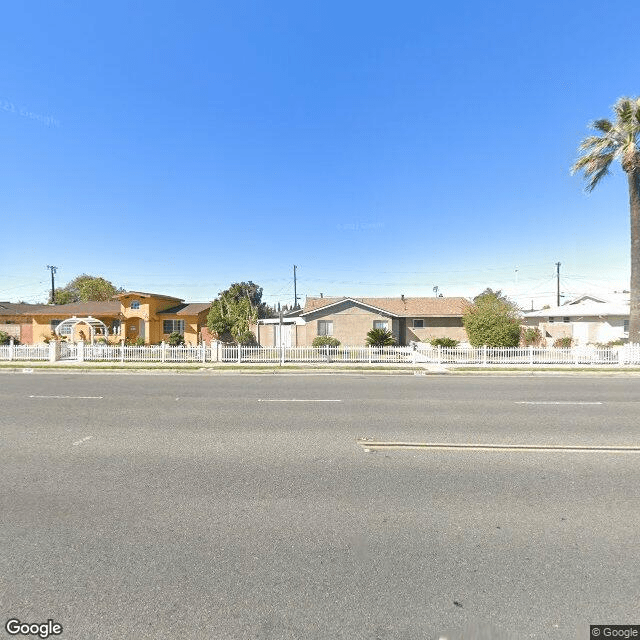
[383, 148]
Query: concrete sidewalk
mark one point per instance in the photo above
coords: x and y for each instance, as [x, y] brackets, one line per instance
[312, 368]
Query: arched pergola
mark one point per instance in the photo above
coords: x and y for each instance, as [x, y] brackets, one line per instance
[96, 327]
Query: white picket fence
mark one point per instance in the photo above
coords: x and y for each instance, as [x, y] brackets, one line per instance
[625, 354]
[234, 353]
[24, 352]
[416, 353]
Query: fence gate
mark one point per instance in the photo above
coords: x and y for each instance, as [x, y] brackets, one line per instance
[68, 351]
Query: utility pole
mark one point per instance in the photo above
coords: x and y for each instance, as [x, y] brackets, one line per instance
[558, 284]
[295, 288]
[53, 284]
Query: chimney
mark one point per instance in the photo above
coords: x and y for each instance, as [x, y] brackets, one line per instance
[321, 294]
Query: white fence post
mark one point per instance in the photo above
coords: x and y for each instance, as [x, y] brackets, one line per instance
[370, 353]
[576, 356]
[204, 352]
[54, 351]
[163, 351]
[439, 354]
[239, 353]
[484, 355]
[530, 354]
[12, 349]
[80, 351]
[122, 351]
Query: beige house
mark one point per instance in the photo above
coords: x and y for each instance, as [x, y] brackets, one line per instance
[586, 320]
[350, 319]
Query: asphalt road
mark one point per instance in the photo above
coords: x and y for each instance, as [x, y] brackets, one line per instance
[240, 506]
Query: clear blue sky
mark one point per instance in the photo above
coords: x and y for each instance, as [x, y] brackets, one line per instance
[384, 148]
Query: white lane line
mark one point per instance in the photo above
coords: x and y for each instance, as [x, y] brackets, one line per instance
[369, 445]
[549, 402]
[72, 397]
[293, 400]
[77, 442]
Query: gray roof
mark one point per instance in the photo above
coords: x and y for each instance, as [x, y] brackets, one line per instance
[95, 308]
[186, 309]
[17, 308]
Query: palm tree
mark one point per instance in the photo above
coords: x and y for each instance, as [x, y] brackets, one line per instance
[619, 140]
[380, 338]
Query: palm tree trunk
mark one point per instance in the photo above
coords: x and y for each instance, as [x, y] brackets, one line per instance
[634, 207]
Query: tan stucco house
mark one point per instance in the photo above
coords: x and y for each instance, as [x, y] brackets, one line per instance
[128, 316]
[350, 319]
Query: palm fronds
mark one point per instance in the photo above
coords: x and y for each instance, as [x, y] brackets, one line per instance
[619, 140]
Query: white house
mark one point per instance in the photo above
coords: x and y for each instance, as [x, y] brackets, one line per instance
[587, 319]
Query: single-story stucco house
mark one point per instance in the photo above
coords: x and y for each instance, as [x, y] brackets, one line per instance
[128, 316]
[587, 319]
[350, 319]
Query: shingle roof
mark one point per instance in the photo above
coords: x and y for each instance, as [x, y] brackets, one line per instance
[407, 307]
[16, 308]
[187, 309]
[96, 308]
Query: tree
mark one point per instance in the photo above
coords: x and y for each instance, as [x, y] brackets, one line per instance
[380, 338]
[85, 288]
[619, 140]
[491, 293]
[493, 320]
[234, 310]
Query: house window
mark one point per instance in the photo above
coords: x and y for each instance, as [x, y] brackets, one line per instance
[66, 330]
[325, 327]
[135, 304]
[566, 319]
[418, 324]
[552, 319]
[381, 324]
[171, 326]
[625, 326]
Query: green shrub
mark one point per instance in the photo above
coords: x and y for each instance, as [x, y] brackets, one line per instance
[4, 337]
[380, 338]
[247, 339]
[531, 336]
[444, 342]
[563, 343]
[493, 321]
[325, 341]
[175, 339]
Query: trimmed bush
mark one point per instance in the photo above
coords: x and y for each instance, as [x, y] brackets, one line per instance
[325, 341]
[247, 339]
[493, 321]
[563, 343]
[175, 339]
[4, 337]
[444, 342]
